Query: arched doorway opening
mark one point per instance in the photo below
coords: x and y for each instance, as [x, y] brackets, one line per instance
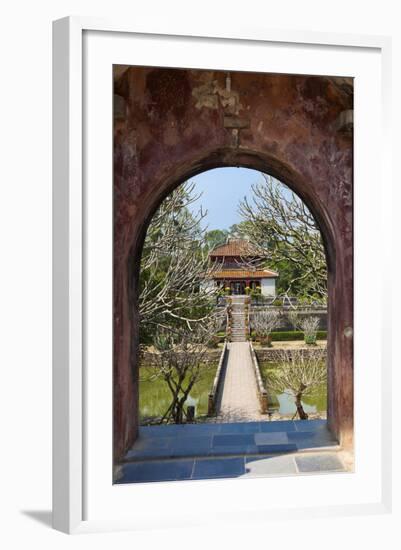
[209, 253]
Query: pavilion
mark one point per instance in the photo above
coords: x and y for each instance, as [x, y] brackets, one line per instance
[235, 266]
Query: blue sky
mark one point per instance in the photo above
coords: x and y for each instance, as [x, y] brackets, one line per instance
[222, 190]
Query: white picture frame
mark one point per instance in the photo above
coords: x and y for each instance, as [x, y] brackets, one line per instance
[72, 254]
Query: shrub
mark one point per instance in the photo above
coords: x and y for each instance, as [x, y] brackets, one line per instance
[264, 322]
[309, 326]
[310, 339]
[286, 336]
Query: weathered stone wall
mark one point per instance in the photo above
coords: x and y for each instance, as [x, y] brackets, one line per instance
[211, 357]
[285, 324]
[171, 124]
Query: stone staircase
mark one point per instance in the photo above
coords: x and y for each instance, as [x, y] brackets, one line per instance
[239, 329]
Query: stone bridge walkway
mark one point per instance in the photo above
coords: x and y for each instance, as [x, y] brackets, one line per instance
[238, 399]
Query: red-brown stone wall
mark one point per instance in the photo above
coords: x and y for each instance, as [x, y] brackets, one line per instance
[171, 124]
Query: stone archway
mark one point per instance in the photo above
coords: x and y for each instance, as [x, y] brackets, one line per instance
[171, 124]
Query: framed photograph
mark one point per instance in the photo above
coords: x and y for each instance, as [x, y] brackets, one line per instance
[217, 313]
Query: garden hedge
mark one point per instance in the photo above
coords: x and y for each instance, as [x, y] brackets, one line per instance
[286, 336]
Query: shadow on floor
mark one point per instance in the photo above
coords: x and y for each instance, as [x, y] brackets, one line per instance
[230, 467]
[41, 516]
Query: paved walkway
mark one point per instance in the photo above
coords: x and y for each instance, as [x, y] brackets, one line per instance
[238, 400]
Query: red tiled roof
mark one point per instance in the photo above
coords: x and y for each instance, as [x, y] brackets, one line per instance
[242, 274]
[235, 247]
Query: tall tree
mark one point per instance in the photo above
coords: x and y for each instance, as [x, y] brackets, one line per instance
[214, 237]
[173, 265]
[180, 356]
[280, 224]
[239, 230]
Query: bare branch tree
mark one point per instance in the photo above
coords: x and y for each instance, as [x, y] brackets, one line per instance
[173, 264]
[179, 357]
[263, 322]
[298, 374]
[308, 324]
[285, 231]
[293, 317]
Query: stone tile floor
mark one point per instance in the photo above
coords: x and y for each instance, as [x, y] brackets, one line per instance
[208, 440]
[230, 467]
[210, 451]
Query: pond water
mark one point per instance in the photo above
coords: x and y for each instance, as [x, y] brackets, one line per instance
[314, 403]
[155, 396]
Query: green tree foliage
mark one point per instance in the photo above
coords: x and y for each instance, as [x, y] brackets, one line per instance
[215, 237]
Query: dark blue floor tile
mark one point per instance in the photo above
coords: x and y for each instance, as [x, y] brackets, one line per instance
[229, 440]
[279, 448]
[140, 454]
[152, 443]
[240, 428]
[297, 436]
[306, 440]
[199, 429]
[310, 425]
[150, 447]
[224, 450]
[138, 472]
[217, 468]
[190, 446]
